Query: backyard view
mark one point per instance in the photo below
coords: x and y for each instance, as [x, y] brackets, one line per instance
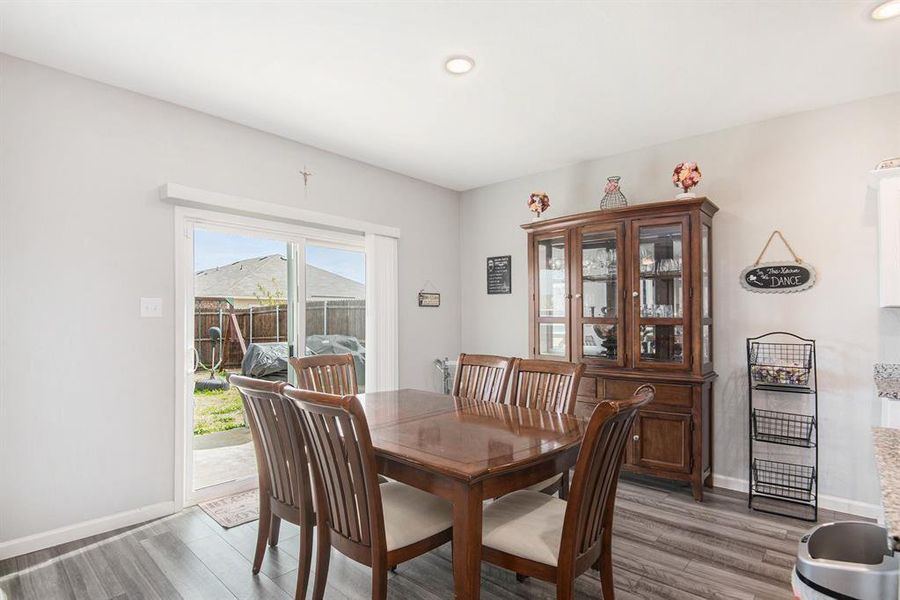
[217, 410]
[242, 326]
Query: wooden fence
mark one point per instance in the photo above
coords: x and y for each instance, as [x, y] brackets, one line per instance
[244, 326]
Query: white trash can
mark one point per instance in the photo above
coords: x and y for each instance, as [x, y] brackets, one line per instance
[846, 560]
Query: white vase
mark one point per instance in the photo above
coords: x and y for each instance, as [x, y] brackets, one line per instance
[685, 196]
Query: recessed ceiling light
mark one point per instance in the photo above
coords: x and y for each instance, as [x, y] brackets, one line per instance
[459, 65]
[886, 10]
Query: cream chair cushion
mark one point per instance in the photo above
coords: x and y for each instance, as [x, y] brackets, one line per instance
[542, 485]
[526, 524]
[411, 515]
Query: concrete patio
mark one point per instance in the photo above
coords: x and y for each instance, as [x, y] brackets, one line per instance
[223, 456]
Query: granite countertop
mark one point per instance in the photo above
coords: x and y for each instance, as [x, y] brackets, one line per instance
[887, 457]
[887, 380]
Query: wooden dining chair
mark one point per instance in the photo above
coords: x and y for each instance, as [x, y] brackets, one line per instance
[556, 540]
[376, 525]
[326, 373]
[548, 385]
[551, 386]
[482, 377]
[284, 478]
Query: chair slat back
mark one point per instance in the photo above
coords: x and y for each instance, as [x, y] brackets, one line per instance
[545, 384]
[593, 492]
[343, 464]
[280, 456]
[482, 377]
[327, 373]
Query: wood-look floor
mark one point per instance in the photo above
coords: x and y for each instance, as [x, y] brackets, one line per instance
[666, 546]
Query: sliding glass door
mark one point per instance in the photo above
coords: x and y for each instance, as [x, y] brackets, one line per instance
[244, 303]
[335, 303]
[256, 294]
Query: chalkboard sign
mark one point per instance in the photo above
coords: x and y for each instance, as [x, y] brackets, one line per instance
[778, 277]
[499, 275]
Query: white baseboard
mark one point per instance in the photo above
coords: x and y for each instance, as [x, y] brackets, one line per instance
[244, 484]
[69, 533]
[844, 505]
[78, 531]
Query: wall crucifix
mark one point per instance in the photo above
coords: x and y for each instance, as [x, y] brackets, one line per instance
[306, 175]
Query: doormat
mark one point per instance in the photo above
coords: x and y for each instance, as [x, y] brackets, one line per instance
[235, 510]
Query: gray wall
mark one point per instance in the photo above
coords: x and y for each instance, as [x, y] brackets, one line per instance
[86, 400]
[803, 174]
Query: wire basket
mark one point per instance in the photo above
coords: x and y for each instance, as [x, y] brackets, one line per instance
[613, 197]
[780, 364]
[783, 428]
[783, 480]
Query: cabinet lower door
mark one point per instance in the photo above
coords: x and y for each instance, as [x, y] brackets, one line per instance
[662, 440]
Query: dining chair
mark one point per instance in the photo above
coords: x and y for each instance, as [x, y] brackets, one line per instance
[326, 373]
[376, 525]
[556, 540]
[283, 467]
[329, 374]
[482, 377]
[551, 386]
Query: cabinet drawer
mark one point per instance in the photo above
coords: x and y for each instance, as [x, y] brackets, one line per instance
[666, 393]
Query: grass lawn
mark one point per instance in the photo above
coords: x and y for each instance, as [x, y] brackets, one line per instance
[216, 410]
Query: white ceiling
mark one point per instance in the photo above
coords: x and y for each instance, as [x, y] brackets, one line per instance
[555, 83]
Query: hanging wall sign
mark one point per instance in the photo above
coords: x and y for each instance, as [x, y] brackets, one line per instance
[499, 275]
[778, 277]
[429, 299]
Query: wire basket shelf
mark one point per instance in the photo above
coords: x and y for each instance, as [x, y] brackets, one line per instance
[784, 480]
[780, 365]
[790, 429]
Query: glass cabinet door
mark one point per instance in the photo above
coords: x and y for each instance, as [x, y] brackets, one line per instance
[598, 290]
[552, 296]
[660, 269]
[706, 294]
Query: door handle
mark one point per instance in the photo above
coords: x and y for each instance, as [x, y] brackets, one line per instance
[634, 294]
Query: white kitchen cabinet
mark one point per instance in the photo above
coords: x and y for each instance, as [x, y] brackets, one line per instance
[886, 184]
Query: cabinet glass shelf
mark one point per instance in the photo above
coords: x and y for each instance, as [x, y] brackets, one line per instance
[674, 275]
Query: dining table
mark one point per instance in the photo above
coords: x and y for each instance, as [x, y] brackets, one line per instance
[467, 451]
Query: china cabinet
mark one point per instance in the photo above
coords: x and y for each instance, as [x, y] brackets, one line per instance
[628, 292]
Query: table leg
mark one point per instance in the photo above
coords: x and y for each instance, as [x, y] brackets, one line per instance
[467, 541]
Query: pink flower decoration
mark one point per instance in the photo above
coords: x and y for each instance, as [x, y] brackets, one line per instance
[686, 175]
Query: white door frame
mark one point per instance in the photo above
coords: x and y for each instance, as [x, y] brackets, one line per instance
[185, 220]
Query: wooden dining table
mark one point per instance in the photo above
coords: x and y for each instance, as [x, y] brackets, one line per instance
[467, 451]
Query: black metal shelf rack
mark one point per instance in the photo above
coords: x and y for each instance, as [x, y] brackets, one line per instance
[783, 363]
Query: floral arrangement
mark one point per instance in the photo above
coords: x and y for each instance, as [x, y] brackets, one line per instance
[538, 202]
[686, 175]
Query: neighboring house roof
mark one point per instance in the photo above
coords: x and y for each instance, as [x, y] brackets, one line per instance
[243, 278]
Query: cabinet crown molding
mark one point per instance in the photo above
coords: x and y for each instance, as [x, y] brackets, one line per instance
[660, 208]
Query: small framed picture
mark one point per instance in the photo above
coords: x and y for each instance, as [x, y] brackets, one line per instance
[429, 299]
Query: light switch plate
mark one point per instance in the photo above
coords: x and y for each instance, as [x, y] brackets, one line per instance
[151, 307]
